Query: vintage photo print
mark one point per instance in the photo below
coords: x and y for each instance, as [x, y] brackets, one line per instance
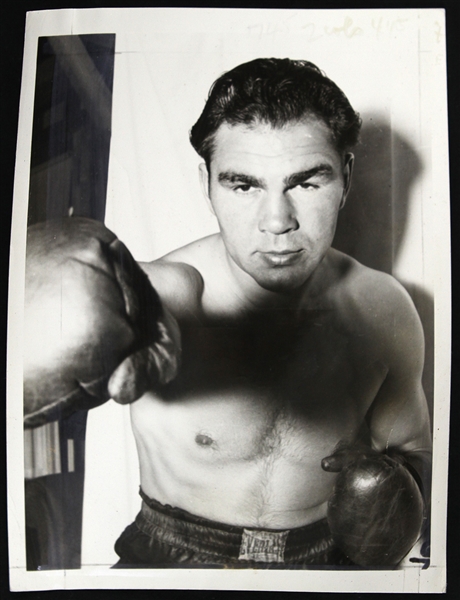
[229, 309]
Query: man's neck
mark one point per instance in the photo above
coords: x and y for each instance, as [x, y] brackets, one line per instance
[252, 298]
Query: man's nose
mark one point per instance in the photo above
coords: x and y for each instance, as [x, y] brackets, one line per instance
[277, 214]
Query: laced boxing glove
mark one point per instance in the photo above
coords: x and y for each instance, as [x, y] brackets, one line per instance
[376, 510]
[94, 325]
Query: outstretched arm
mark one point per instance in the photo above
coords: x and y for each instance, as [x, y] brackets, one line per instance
[95, 327]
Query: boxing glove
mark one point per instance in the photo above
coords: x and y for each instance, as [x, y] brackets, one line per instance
[94, 326]
[376, 510]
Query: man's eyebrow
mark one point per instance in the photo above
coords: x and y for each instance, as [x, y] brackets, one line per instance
[233, 177]
[301, 176]
[290, 181]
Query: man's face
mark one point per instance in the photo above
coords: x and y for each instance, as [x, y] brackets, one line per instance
[276, 194]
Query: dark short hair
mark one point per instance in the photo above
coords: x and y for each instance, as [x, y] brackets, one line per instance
[275, 91]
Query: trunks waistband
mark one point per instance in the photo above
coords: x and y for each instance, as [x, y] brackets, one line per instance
[185, 530]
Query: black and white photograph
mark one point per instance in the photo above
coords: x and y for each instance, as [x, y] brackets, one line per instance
[229, 301]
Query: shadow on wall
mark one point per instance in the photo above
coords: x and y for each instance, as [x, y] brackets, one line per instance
[373, 222]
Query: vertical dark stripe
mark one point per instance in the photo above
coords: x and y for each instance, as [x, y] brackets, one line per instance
[71, 126]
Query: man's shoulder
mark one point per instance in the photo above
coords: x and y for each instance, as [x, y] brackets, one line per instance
[366, 287]
[178, 277]
[375, 301]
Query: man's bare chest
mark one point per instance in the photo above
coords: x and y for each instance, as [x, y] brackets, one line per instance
[268, 389]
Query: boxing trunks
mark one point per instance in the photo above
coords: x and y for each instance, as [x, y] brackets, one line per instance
[167, 537]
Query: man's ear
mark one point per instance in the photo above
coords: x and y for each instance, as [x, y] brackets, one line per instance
[349, 160]
[205, 185]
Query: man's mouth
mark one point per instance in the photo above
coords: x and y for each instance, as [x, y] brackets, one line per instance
[281, 258]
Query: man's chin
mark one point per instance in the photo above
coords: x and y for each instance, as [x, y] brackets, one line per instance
[280, 282]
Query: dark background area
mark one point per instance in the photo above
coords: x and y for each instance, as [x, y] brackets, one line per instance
[12, 21]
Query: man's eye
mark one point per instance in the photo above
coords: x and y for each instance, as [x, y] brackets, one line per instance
[306, 185]
[244, 188]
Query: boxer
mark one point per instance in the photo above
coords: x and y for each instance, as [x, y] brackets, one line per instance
[274, 382]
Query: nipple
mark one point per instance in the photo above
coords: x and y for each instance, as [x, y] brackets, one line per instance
[203, 440]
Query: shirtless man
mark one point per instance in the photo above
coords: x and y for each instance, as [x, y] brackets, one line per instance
[296, 362]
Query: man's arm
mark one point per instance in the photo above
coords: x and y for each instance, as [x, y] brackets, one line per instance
[95, 327]
[398, 418]
[377, 510]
